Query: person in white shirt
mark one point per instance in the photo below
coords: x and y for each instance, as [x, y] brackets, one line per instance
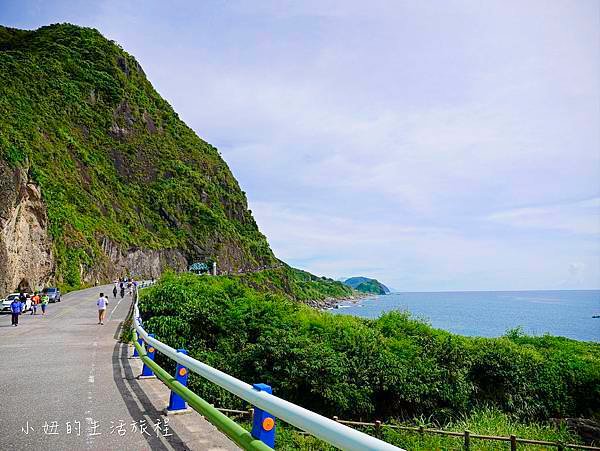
[102, 303]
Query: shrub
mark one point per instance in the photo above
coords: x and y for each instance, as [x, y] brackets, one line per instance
[394, 366]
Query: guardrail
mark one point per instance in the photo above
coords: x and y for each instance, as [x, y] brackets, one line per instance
[326, 429]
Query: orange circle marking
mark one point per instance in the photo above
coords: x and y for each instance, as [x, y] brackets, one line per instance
[182, 371]
[150, 349]
[268, 424]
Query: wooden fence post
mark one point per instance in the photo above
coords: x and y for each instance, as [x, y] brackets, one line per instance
[513, 443]
[377, 428]
[467, 440]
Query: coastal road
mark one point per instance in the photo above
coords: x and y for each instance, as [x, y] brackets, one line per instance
[67, 383]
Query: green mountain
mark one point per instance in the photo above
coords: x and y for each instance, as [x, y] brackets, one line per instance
[98, 175]
[366, 285]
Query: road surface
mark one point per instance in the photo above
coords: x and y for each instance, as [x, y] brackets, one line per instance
[66, 383]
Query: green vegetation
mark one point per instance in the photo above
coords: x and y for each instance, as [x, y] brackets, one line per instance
[295, 284]
[372, 286]
[481, 422]
[365, 285]
[392, 367]
[114, 162]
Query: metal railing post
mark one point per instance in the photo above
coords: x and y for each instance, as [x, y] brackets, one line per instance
[176, 402]
[147, 371]
[263, 423]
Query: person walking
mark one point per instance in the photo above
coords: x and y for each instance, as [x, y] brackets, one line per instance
[122, 291]
[45, 300]
[115, 291]
[35, 300]
[23, 300]
[102, 303]
[16, 307]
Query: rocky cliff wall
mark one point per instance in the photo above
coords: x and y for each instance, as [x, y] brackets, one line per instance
[25, 248]
[26, 257]
[137, 262]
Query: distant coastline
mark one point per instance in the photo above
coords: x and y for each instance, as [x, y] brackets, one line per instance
[333, 303]
[566, 313]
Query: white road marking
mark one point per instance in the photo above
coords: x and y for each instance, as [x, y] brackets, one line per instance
[90, 429]
[113, 310]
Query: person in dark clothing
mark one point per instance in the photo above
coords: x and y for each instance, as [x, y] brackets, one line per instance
[122, 292]
[16, 308]
[115, 291]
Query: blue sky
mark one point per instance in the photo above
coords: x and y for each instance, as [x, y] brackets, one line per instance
[434, 145]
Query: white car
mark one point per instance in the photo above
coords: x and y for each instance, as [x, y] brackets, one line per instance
[6, 302]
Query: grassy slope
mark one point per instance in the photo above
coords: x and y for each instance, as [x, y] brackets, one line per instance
[481, 422]
[111, 156]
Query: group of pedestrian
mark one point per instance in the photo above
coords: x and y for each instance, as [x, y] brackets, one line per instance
[121, 286]
[18, 305]
[42, 301]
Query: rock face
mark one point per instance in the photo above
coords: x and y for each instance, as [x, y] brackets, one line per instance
[26, 259]
[138, 262]
[25, 247]
[587, 429]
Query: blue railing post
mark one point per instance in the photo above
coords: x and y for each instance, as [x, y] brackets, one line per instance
[263, 424]
[176, 402]
[147, 371]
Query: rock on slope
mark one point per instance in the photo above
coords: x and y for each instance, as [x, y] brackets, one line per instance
[98, 175]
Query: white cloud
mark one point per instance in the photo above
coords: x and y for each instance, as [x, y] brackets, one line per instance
[581, 217]
[437, 147]
[413, 257]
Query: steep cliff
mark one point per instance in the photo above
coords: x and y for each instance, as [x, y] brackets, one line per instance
[25, 247]
[99, 176]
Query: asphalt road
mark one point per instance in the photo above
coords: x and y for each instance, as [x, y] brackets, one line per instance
[66, 383]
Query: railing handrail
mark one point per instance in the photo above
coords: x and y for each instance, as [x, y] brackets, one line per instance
[321, 427]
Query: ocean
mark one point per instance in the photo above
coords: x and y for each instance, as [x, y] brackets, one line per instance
[566, 313]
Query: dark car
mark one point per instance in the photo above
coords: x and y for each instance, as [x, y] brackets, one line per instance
[52, 293]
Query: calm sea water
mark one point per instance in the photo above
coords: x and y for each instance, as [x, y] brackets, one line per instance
[492, 313]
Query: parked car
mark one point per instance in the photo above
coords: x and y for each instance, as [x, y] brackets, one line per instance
[5, 305]
[12, 296]
[52, 293]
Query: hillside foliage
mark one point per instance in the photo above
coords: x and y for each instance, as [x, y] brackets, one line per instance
[296, 284]
[366, 285]
[113, 159]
